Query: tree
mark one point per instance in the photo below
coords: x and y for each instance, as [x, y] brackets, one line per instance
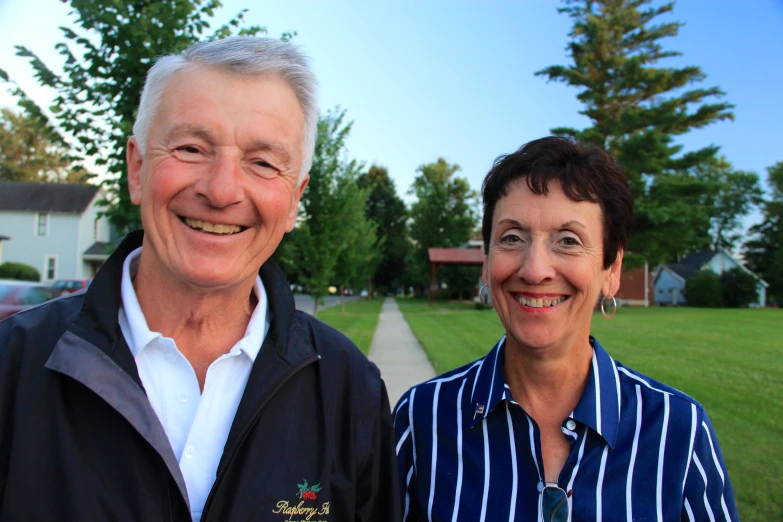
[32, 151]
[763, 253]
[107, 52]
[443, 215]
[324, 209]
[637, 109]
[387, 210]
[730, 196]
[703, 289]
[360, 253]
[737, 288]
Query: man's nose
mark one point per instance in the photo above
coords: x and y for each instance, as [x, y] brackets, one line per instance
[222, 186]
[537, 264]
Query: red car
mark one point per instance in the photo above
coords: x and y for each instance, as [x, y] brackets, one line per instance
[16, 296]
[69, 286]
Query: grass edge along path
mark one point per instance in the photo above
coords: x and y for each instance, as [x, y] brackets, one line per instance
[359, 321]
[730, 361]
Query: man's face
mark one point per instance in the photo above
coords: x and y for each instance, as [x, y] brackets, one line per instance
[218, 183]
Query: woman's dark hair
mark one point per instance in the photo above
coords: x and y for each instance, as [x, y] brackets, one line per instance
[585, 172]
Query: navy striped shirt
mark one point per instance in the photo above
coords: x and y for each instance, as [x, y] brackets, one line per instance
[640, 450]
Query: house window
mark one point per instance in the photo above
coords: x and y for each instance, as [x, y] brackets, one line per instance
[50, 268]
[43, 221]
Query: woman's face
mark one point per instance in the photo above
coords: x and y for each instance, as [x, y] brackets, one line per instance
[545, 266]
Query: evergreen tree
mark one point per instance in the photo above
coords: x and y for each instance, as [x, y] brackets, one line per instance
[637, 109]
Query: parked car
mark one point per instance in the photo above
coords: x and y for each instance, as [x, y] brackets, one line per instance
[69, 286]
[16, 296]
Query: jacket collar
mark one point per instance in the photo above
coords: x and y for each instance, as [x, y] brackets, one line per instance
[598, 407]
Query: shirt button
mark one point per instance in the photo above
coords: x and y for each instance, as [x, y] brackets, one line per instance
[571, 425]
[190, 452]
[182, 397]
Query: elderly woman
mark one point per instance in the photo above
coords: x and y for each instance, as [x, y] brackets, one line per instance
[547, 426]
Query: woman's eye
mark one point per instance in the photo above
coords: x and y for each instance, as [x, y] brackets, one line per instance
[570, 241]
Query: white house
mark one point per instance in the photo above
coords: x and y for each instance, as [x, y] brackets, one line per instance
[54, 228]
[669, 280]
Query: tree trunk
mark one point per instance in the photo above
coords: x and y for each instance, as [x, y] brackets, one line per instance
[342, 300]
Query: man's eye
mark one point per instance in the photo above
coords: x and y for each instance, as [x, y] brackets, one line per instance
[189, 149]
[510, 239]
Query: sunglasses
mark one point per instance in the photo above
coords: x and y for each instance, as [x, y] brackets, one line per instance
[554, 503]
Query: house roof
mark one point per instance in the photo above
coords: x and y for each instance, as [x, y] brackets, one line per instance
[4, 238]
[98, 249]
[683, 270]
[46, 197]
[456, 256]
[698, 259]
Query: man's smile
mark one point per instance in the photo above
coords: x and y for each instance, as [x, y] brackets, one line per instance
[212, 228]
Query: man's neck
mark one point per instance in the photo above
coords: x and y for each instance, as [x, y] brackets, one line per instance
[204, 323]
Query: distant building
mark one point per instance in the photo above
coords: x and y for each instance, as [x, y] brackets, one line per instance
[54, 228]
[669, 281]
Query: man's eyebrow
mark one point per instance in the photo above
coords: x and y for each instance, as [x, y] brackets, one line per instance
[267, 146]
[188, 129]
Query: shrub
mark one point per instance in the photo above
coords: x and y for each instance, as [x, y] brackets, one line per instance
[19, 271]
[703, 289]
[738, 288]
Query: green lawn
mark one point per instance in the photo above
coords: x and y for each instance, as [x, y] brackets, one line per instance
[358, 322]
[731, 361]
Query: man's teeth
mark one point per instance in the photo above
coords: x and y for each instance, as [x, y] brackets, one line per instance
[539, 302]
[214, 228]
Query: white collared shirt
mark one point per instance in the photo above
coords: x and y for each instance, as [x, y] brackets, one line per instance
[197, 424]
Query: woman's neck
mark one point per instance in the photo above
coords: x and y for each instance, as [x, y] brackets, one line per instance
[548, 383]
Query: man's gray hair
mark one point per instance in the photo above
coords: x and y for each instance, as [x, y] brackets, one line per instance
[244, 56]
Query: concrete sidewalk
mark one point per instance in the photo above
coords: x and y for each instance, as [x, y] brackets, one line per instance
[397, 353]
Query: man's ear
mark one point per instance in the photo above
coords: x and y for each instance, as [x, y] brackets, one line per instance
[612, 282]
[135, 159]
[294, 210]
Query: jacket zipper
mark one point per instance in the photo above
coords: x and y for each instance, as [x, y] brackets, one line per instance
[243, 434]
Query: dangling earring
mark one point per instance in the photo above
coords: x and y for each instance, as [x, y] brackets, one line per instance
[484, 296]
[611, 299]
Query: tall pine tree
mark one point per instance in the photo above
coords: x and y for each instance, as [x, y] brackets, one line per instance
[638, 108]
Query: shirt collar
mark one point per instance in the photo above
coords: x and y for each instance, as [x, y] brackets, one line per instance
[138, 335]
[598, 408]
[489, 384]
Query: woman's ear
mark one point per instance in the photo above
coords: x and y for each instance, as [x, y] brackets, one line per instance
[612, 281]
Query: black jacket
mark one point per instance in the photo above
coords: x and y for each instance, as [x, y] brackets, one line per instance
[312, 438]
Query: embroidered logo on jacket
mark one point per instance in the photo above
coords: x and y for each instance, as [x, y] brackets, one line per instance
[309, 492]
[304, 510]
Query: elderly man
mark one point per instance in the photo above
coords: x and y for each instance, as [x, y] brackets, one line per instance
[183, 384]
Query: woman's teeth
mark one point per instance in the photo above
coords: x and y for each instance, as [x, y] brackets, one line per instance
[213, 228]
[539, 302]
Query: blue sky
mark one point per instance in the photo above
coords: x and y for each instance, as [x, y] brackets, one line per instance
[456, 78]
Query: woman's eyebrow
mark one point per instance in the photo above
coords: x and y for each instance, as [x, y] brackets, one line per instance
[573, 222]
[513, 222]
